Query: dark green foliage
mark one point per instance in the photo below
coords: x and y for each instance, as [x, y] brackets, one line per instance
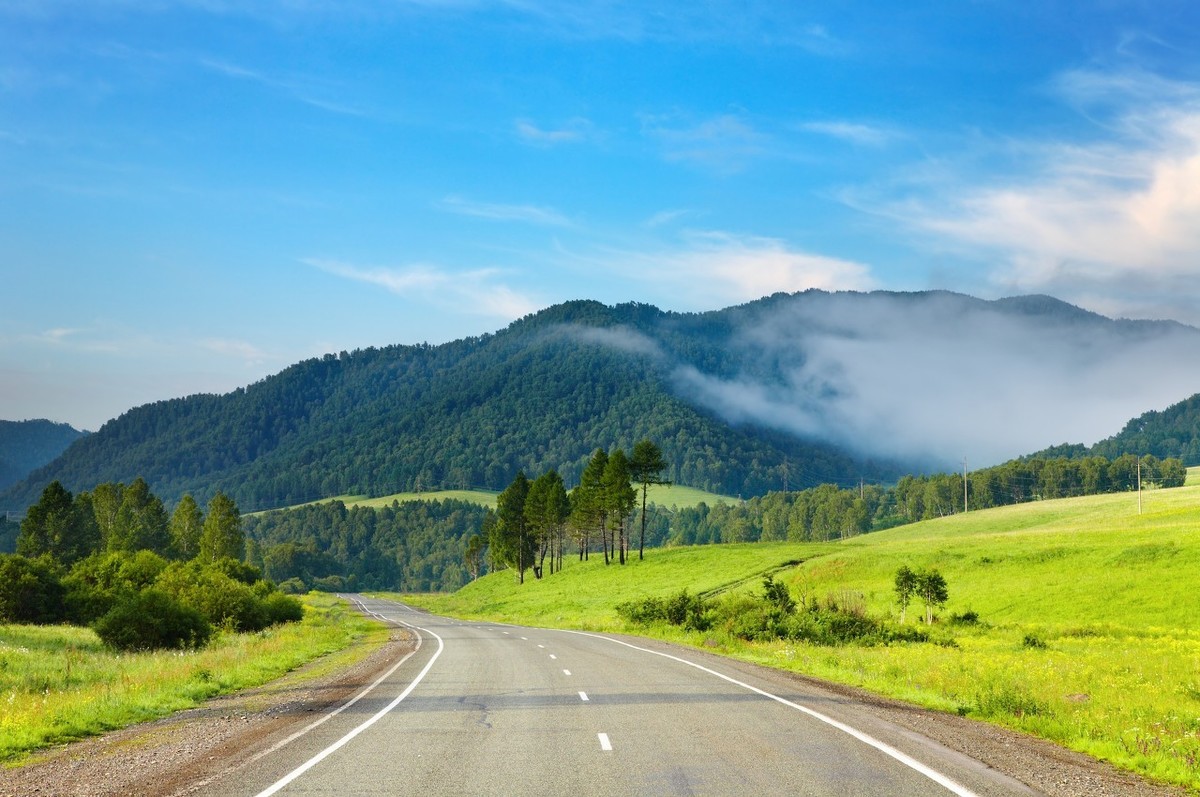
[59, 526]
[414, 546]
[221, 535]
[1173, 433]
[1033, 641]
[98, 583]
[151, 620]
[509, 542]
[220, 599]
[31, 590]
[680, 609]
[9, 529]
[967, 618]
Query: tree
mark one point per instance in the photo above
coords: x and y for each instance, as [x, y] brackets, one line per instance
[221, 535]
[510, 541]
[473, 555]
[931, 586]
[58, 525]
[619, 498]
[187, 523]
[906, 586]
[31, 590]
[588, 509]
[645, 466]
[546, 510]
[141, 523]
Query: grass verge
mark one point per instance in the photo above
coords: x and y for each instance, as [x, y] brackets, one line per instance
[59, 683]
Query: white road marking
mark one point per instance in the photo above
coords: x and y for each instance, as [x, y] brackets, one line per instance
[553, 656]
[525, 638]
[321, 756]
[605, 744]
[583, 696]
[905, 759]
[543, 647]
[566, 672]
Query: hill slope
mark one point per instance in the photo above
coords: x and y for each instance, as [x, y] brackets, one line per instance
[789, 391]
[28, 445]
[1173, 432]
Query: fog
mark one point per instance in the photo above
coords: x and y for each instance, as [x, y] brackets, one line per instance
[937, 378]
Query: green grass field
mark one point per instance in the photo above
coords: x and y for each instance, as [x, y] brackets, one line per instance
[59, 683]
[1089, 630]
[663, 495]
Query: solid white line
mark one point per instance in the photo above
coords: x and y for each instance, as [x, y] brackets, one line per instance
[321, 756]
[605, 744]
[583, 696]
[908, 761]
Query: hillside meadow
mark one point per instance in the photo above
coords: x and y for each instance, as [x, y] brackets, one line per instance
[1087, 630]
[665, 495]
[59, 683]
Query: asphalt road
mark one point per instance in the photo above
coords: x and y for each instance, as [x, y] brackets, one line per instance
[482, 709]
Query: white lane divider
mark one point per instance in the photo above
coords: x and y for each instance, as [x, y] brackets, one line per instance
[321, 756]
[583, 696]
[605, 744]
[937, 777]
[566, 672]
[553, 656]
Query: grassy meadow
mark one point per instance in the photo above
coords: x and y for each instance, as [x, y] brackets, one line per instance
[666, 495]
[59, 683]
[1088, 631]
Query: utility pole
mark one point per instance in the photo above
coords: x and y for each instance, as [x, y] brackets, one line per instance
[1139, 485]
[964, 485]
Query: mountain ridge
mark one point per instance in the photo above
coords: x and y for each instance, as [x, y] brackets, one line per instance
[743, 400]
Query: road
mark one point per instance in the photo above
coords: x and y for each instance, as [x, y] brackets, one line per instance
[484, 708]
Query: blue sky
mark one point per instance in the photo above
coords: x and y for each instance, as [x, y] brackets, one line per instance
[196, 194]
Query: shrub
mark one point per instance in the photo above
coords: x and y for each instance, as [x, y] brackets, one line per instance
[31, 590]
[222, 600]
[283, 608]
[682, 609]
[151, 620]
[1033, 641]
[968, 617]
[293, 586]
[96, 583]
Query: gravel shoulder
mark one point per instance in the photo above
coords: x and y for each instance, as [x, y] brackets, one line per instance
[179, 754]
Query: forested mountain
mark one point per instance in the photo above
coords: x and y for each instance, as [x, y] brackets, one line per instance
[27, 445]
[787, 392]
[1173, 432]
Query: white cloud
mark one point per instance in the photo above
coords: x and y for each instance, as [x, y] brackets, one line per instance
[473, 292]
[237, 349]
[1115, 219]
[713, 269]
[530, 214]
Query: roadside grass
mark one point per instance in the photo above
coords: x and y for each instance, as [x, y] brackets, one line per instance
[59, 683]
[1088, 631]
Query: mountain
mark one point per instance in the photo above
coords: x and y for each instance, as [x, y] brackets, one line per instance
[28, 445]
[1172, 432]
[789, 391]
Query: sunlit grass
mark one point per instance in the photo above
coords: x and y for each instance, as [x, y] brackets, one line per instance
[59, 683]
[1089, 629]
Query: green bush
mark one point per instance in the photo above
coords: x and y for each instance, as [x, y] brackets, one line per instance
[96, 583]
[293, 586]
[152, 620]
[283, 608]
[682, 609]
[31, 590]
[223, 601]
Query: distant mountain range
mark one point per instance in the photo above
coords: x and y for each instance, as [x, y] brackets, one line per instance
[28, 445]
[789, 391]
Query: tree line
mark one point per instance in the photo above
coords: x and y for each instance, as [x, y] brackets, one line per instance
[533, 518]
[115, 559]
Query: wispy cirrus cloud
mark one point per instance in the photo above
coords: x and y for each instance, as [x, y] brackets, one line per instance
[236, 349]
[529, 214]
[852, 132]
[726, 143]
[574, 130]
[473, 292]
[303, 90]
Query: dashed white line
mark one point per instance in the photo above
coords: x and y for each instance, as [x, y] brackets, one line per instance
[566, 672]
[583, 696]
[605, 743]
[553, 656]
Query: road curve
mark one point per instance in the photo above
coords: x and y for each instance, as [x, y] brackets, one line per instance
[491, 709]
